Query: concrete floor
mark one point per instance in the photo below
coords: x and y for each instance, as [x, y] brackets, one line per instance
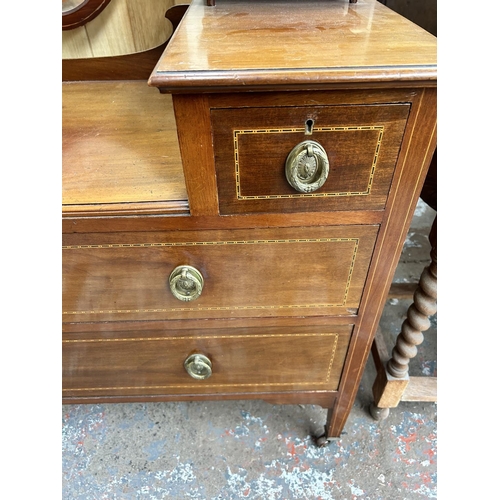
[254, 450]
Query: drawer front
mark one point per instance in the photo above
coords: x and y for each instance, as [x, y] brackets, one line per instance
[361, 143]
[246, 361]
[245, 273]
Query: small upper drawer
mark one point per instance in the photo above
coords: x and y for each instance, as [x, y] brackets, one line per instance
[252, 146]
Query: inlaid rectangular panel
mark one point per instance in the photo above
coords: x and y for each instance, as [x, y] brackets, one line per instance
[241, 360]
[261, 272]
[251, 145]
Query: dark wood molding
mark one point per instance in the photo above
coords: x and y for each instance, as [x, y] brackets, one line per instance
[82, 14]
[137, 66]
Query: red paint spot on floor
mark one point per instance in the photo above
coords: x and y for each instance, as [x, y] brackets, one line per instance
[407, 440]
[431, 453]
[426, 478]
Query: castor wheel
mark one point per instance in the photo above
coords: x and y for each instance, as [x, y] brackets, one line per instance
[322, 441]
[378, 413]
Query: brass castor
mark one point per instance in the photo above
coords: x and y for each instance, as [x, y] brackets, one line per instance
[378, 413]
[322, 441]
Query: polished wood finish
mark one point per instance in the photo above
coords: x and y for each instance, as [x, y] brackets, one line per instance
[243, 360]
[244, 273]
[123, 27]
[417, 321]
[75, 223]
[125, 329]
[413, 162]
[306, 270]
[83, 62]
[392, 383]
[389, 391]
[175, 14]
[120, 150]
[333, 43]
[195, 141]
[82, 14]
[252, 144]
[137, 66]
[324, 399]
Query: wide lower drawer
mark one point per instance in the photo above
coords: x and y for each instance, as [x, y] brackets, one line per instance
[245, 360]
[243, 273]
[264, 164]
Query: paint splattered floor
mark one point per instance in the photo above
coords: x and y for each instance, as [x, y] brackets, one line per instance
[254, 450]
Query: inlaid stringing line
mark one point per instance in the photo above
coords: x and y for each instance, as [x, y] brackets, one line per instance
[207, 243]
[201, 337]
[180, 309]
[334, 348]
[186, 386]
[219, 308]
[237, 133]
[351, 269]
[380, 303]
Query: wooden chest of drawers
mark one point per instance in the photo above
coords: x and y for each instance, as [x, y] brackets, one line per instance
[244, 248]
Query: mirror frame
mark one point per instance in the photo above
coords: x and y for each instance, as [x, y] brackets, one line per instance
[83, 13]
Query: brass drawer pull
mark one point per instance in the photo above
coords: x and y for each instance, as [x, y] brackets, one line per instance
[307, 167]
[198, 366]
[186, 283]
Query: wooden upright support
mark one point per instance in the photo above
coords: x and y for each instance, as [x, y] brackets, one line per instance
[393, 384]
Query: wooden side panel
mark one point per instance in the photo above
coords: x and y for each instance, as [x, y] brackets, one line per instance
[247, 273]
[242, 361]
[195, 140]
[417, 150]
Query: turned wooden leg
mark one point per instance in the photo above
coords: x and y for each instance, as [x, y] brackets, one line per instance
[391, 381]
[417, 321]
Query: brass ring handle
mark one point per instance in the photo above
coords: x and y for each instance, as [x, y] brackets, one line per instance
[307, 167]
[186, 283]
[198, 366]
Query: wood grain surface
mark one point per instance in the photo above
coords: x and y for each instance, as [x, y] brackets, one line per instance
[320, 42]
[243, 360]
[113, 277]
[251, 147]
[419, 144]
[120, 149]
[283, 289]
[123, 27]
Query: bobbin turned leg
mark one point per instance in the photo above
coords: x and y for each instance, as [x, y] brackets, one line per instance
[391, 381]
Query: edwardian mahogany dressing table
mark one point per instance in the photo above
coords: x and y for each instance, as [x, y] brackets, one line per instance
[252, 257]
